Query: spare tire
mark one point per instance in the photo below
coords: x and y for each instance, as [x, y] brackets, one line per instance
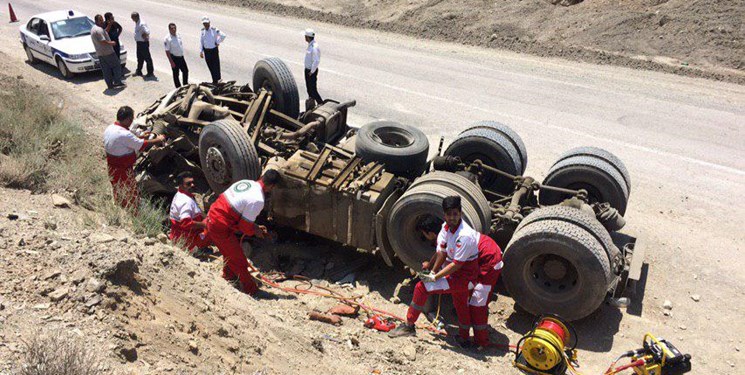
[500, 149]
[419, 201]
[403, 149]
[227, 155]
[603, 182]
[272, 74]
[558, 263]
[601, 154]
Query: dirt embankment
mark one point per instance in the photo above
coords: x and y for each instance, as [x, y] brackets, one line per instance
[688, 37]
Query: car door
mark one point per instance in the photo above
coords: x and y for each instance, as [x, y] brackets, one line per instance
[44, 45]
[32, 40]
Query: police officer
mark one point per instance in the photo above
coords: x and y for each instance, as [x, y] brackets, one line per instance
[312, 60]
[142, 37]
[209, 43]
[175, 53]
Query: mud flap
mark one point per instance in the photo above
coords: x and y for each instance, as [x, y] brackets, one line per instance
[381, 230]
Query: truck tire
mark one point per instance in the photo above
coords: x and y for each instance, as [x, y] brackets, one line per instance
[603, 182]
[554, 266]
[227, 155]
[403, 149]
[509, 133]
[465, 188]
[273, 75]
[494, 149]
[601, 154]
[417, 202]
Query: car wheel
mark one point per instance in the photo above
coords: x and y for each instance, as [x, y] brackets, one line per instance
[29, 55]
[66, 73]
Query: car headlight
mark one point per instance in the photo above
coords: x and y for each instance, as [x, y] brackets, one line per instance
[80, 56]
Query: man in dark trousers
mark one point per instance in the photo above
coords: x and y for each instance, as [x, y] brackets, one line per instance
[142, 37]
[115, 30]
[312, 60]
[107, 57]
[175, 53]
[209, 42]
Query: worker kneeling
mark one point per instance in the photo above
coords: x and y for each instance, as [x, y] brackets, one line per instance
[457, 249]
[187, 226]
[236, 210]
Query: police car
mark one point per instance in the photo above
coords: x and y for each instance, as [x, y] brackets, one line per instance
[63, 39]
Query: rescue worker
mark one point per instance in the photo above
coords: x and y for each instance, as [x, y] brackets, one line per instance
[187, 225]
[175, 53]
[490, 267]
[457, 250]
[236, 210]
[122, 146]
[209, 43]
[312, 60]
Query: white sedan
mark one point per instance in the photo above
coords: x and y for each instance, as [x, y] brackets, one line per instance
[63, 39]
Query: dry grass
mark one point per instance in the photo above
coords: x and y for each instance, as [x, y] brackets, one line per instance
[56, 354]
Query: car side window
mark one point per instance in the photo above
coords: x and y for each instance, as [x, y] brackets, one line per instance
[33, 26]
[43, 28]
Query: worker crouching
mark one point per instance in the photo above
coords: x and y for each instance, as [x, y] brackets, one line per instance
[236, 210]
[454, 265]
[187, 226]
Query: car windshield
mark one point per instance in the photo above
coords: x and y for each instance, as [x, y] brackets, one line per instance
[72, 27]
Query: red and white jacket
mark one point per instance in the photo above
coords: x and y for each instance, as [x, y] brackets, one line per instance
[461, 247]
[121, 145]
[490, 255]
[238, 207]
[184, 212]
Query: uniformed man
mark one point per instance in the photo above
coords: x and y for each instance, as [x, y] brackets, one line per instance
[187, 221]
[175, 53]
[236, 210]
[312, 60]
[209, 43]
[142, 38]
[122, 146]
[454, 265]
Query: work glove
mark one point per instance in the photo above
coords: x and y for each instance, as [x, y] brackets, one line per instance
[427, 277]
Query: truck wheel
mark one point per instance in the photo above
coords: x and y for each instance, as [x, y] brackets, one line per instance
[417, 202]
[66, 73]
[494, 148]
[603, 182]
[29, 55]
[403, 149]
[555, 266]
[227, 155]
[273, 75]
[507, 132]
[465, 188]
[601, 154]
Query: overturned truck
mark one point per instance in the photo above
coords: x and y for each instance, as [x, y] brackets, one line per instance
[367, 187]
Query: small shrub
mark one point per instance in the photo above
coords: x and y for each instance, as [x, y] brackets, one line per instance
[57, 355]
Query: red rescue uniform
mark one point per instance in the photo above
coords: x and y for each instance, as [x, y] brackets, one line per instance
[235, 210]
[461, 247]
[490, 267]
[184, 213]
[121, 146]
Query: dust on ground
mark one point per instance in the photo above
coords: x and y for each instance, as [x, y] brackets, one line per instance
[688, 37]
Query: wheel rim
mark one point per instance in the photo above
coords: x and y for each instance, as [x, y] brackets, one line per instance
[62, 68]
[29, 55]
[393, 137]
[553, 274]
[217, 168]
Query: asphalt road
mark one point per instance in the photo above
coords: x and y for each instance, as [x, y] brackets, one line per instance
[682, 139]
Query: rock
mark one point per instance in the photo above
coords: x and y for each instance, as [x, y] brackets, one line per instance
[162, 238]
[410, 353]
[682, 327]
[94, 301]
[667, 313]
[42, 306]
[12, 216]
[59, 294]
[223, 332]
[94, 285]
[696, 297]
[193, 347]
[317, 344]
[50, 225]
[51, 275]
[667, 305]
[60, 201]
[22, 242]
[101, 238]
[129, 353]
[149, 241]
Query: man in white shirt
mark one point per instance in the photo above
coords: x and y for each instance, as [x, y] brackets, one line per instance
[209, 42]
[175, 53]
[187, 221]
[142, 37]
[122, 146]
[312, 60]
